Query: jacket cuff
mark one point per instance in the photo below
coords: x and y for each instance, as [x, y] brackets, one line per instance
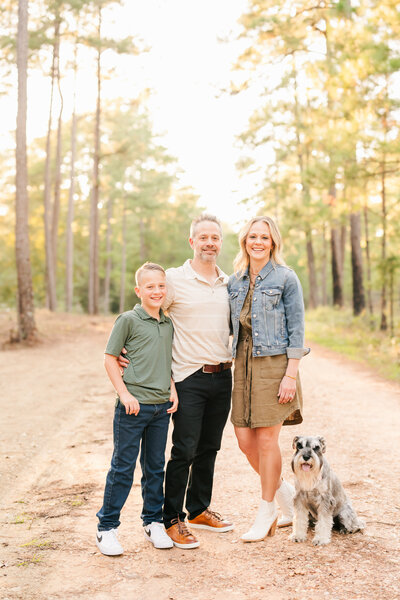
[297, 352]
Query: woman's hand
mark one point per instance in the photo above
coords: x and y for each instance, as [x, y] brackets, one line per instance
[287, 390]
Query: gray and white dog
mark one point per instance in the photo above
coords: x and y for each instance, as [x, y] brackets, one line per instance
[320, 498]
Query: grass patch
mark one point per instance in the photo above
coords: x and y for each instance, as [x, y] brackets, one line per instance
[36, 544]
[32, 560]
[21, 518]
[76, 501]
[358, 338]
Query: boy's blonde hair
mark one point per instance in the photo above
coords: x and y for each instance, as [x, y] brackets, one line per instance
[242, 260]
[147, 266]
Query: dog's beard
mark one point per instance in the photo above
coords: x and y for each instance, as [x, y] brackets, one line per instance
[307, 473]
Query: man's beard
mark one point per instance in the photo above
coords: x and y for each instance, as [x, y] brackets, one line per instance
[208, 257]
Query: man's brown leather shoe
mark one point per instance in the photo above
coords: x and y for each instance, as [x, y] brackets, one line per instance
[212, 521]
[181, 535]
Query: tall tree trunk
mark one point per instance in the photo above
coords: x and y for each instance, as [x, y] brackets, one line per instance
[69, 271]
[26, 317]
[107, 281]
[94, 210]
[356, 263]
[324, 285]
[337, 287]
[336, 260]
[123, 259]
[312, 276]
[391, 301]
[383, 324]
[343, 234]
[368, 257]
[384, 266]
[51, 297]
[57, 176]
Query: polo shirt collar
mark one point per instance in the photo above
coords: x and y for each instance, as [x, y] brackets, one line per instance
[139, 310]
[190, 273]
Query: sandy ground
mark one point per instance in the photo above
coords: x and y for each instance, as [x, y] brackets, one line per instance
[56, 423]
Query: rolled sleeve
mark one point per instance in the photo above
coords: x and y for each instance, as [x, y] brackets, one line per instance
[294, 312]
[297, 352]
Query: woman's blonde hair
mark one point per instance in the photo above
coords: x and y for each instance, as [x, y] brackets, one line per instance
[242, 259]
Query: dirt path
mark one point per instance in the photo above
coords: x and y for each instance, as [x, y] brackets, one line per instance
[56, 417]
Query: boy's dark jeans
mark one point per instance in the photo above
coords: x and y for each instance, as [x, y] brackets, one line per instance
[204, 403]
[150, 427]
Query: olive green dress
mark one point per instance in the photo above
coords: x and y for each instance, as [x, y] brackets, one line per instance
[256, 382]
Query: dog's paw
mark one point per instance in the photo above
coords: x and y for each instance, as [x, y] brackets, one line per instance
[361, 525]
[320, 541]
[354, 529]
[297, 538]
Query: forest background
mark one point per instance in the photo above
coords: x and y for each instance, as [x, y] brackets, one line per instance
[87, 202]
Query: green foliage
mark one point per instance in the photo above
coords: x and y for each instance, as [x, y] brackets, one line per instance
[329, 121]
[137, 173]
[355, 337]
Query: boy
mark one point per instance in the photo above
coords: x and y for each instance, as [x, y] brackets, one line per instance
[142, 411]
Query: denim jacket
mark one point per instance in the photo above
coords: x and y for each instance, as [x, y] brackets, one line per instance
[277, 312]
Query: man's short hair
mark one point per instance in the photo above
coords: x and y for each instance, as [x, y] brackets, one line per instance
[200, 219]
[147, 266]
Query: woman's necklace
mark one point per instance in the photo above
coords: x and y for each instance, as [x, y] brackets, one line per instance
[253, 276]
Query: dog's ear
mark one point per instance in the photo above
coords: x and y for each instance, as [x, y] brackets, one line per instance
[322, 444]
[295, 440]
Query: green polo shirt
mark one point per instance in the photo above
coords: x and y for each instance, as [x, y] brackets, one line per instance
[149, 346]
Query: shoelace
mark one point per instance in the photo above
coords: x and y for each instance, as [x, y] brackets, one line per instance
[213, 514]
[182, 528]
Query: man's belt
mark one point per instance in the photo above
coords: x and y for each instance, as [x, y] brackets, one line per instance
[216, 368]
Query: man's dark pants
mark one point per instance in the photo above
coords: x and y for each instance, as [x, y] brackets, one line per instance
[204, 403]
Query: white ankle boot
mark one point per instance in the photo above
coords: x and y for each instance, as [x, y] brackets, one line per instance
[284, 497]
[265, 523]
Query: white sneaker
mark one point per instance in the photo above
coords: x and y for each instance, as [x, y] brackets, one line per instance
[156, 534]
[107, 542]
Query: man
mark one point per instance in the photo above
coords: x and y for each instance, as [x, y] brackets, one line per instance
[197, 303]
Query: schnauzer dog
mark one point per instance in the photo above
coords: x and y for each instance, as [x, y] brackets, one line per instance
[320, 498]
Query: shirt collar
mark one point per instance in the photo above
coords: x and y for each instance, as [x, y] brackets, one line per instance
[140, 311]
[265, 270]
[190, 273]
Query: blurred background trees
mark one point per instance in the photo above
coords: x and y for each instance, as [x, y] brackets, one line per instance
[104, 193]
[324, 140]
[322, 147]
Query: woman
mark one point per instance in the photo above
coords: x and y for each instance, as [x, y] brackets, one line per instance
[267, 313]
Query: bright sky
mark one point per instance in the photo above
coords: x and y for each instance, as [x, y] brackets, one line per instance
[186, 68]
